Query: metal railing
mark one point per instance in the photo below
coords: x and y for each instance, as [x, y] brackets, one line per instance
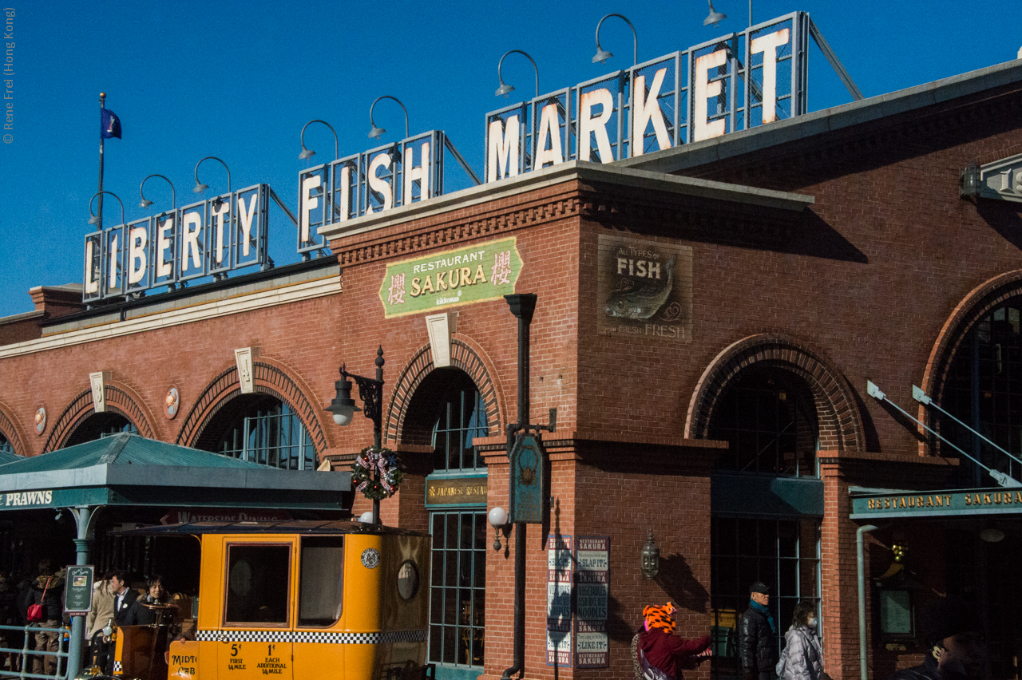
[27, 655]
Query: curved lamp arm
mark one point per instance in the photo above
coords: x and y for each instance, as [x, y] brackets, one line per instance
[602, 55]
[504, 88]
[199, 186]
[146, 203]
[309, 153]
[377, 132]
[98, 219]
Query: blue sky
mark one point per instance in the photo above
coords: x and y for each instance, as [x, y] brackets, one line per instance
[238, 80]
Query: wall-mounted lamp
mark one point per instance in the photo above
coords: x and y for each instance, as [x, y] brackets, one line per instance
[969, 182]
[650, 557]
[498, 519]
[992, 535]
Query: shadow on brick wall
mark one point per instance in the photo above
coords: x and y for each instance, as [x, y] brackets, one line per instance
[681, 586]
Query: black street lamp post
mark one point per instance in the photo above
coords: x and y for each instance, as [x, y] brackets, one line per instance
[371, 392]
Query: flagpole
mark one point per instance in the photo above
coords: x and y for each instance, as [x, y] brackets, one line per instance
[102, 98]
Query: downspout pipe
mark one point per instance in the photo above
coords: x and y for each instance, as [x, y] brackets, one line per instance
[522, 306]
[860, 562]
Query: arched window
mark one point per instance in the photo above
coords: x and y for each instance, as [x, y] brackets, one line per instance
[768, 418]
[262, 429]
[5, 446]
[461, 417]
[100, 425]
[770, 424]
[984, 390]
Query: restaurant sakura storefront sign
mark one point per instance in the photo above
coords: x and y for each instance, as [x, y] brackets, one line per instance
[476, 273]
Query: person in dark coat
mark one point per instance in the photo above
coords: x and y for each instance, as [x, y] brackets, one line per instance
[954, 642]
[9, 616]
[757, 636]
[48, 591]
[126, 609]
[660, 647]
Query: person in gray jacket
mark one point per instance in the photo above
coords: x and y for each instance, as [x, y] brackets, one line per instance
[802, 658]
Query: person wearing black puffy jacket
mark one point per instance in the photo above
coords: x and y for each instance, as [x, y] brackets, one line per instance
[757, 636]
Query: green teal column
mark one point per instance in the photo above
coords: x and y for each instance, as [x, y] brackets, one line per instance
[83, 549]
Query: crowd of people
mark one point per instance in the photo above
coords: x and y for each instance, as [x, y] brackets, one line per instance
[38, 603]
[954, 647]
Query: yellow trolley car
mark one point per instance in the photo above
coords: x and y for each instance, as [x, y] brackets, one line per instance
[293, 601]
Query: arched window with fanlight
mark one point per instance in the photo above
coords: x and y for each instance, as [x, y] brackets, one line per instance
[100, 425]
[262, 429]
[983, 389]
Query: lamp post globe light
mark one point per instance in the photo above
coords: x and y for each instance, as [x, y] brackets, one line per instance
[343, 409]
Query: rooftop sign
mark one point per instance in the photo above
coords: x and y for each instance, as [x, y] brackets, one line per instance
[727, 84]
[212, 237]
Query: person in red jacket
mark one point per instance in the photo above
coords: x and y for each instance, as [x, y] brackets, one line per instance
[659, 645]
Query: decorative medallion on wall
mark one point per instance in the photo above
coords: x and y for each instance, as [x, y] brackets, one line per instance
[644, 289]
[172, 403]
[40, 420]
[370, 558]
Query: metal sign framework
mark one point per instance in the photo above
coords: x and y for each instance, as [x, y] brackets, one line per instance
[212, 237]
[389, 176]
[655, 105]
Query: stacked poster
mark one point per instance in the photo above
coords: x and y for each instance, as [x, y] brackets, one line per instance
[558, 601]
[592, 559]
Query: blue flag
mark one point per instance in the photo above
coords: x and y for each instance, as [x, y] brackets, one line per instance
[109, 124]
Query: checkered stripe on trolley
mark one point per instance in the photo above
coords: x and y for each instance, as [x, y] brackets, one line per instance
[117, 666]
[243, 636]
[311, 637]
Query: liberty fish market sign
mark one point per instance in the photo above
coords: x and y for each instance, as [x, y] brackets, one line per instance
[476, 273]
[644, 289]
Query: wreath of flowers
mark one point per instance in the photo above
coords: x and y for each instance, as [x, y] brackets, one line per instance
[386, 463]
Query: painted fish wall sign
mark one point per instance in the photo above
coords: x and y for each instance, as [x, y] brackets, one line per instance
[641, 298]
[644, 289]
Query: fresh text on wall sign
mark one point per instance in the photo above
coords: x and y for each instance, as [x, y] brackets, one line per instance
[727, 84]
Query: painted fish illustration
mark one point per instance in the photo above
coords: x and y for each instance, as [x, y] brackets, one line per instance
[643, 298]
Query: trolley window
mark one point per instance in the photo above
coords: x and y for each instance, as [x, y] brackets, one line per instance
[257, 584]
[322, 581]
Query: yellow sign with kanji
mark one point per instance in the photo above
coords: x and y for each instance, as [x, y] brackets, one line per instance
[475, 273]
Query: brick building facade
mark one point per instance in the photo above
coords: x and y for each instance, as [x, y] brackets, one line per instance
[807, 257]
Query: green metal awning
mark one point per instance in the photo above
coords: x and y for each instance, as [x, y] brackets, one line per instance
[870, 504]
[130, 470]
[7, 457]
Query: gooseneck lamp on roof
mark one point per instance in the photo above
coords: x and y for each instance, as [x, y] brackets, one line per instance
[97, 219]
[146, 202]
[309, 153]
[505, 89]
[377, 132]
[715, 17]
[199, 186]
[603, 55]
